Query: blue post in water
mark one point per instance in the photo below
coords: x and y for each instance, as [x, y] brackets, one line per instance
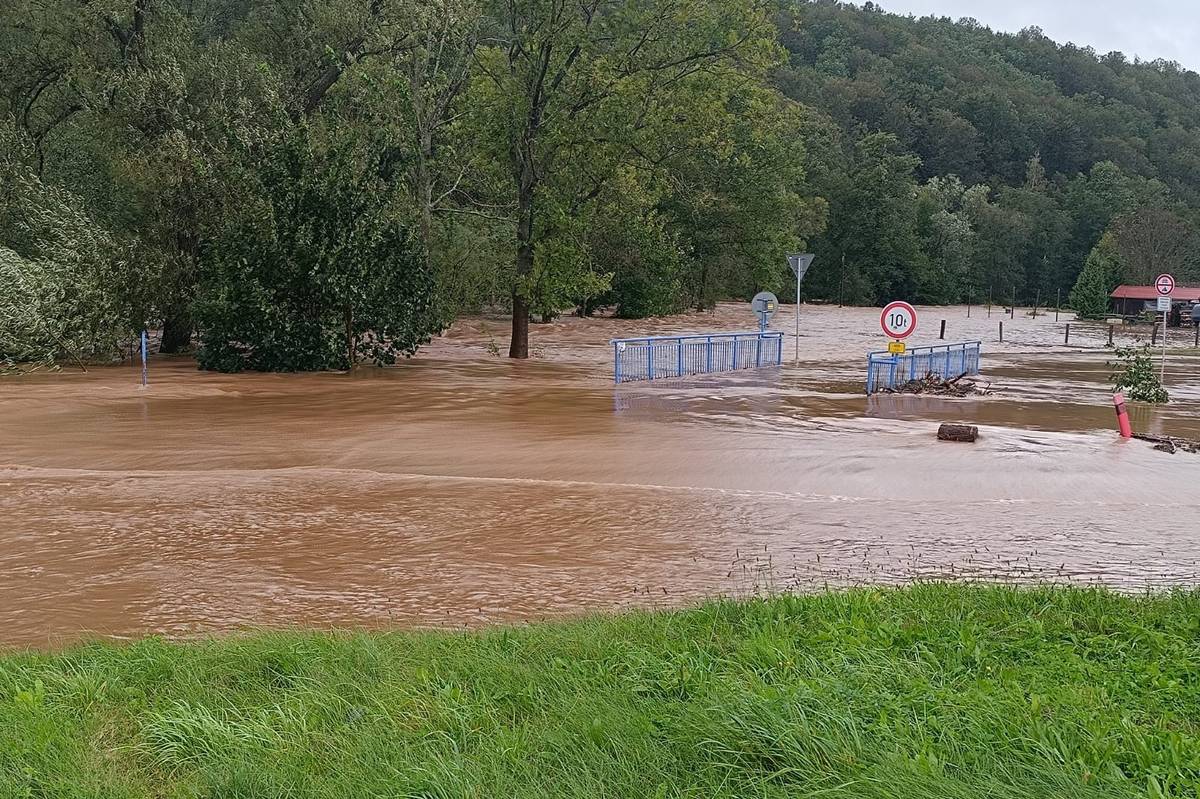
[143, 359]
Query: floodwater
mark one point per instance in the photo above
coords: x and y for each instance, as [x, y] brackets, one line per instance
[462, 488]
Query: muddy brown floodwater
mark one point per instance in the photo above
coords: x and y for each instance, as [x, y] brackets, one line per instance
[461, 488]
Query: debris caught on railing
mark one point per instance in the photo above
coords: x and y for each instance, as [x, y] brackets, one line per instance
[892, 370]
[932, 383]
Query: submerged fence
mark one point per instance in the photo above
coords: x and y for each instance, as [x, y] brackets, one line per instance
[661, 357]
[947, 361]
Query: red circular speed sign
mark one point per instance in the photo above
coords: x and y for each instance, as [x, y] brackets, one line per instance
[898, 320]
[1165, 285]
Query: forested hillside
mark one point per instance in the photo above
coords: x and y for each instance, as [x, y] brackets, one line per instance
[302, 184]
[1003, 158]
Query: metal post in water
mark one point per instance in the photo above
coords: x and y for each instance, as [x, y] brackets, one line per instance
[144, 347]
[1162, 377]
[1002, 331]
[1110, 335]
[1067, 337]
[942, 335]
[797, 323]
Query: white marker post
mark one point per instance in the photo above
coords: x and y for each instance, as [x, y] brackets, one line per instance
[1164, 285]
[799, 263]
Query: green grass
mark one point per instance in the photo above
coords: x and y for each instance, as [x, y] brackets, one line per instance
[930, 691]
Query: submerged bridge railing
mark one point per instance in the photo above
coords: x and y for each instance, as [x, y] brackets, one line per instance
[947, 361]
[662, 357]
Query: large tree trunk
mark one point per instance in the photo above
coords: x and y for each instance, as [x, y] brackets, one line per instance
[519, 346]
[176, 332]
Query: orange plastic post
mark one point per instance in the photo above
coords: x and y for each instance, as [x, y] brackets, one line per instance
[1122, 415]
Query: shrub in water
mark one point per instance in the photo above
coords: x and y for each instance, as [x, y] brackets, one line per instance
[1136, 376]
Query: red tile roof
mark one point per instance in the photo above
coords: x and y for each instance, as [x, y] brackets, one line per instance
[1151, 293]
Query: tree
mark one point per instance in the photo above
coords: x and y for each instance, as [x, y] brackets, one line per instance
[948, 240]
[64, 276]
[872, 226]
[1152, 240]
[324, 269]
[1100, 275]
[578, 84]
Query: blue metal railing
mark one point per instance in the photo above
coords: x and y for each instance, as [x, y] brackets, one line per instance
[661, 357]
[947, 361]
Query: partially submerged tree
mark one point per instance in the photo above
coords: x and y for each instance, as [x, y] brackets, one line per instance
[579, 84]
[323, 270]
[69, 291]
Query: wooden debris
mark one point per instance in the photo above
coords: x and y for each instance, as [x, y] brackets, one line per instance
[932, 383]
[1170, 444]
[964, 433]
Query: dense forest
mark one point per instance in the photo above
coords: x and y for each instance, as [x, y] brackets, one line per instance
[304, 184]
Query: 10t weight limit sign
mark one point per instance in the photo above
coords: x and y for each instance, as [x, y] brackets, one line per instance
[898, 320]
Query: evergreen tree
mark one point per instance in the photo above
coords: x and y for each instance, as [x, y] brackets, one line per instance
[1099, 277]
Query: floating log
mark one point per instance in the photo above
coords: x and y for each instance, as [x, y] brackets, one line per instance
[958, 432]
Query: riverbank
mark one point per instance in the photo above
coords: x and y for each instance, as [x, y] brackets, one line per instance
[928, 691]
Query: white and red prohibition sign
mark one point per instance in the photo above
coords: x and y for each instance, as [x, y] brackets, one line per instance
[898, 320]
[1165, 285]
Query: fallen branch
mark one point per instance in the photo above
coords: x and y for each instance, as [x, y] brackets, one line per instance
[1170, 444]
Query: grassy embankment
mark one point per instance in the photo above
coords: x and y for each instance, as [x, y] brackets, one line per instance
[932, 691]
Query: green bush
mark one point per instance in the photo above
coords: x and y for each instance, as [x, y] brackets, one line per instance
[1135, 373]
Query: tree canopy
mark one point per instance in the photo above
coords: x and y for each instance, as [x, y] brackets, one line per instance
[300, 184]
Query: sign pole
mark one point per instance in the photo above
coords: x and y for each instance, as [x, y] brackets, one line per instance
[799, 262]
[799, 276]
[1165, 285]
[144, 347]
[1162, 375]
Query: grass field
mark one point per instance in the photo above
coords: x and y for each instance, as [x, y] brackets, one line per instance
[929, 691]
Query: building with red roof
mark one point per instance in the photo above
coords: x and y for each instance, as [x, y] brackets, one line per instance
[1133, 300]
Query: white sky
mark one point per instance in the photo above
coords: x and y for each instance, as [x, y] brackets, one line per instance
[1148, 29]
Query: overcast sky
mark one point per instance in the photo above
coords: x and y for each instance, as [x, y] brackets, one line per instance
[1148, 29]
